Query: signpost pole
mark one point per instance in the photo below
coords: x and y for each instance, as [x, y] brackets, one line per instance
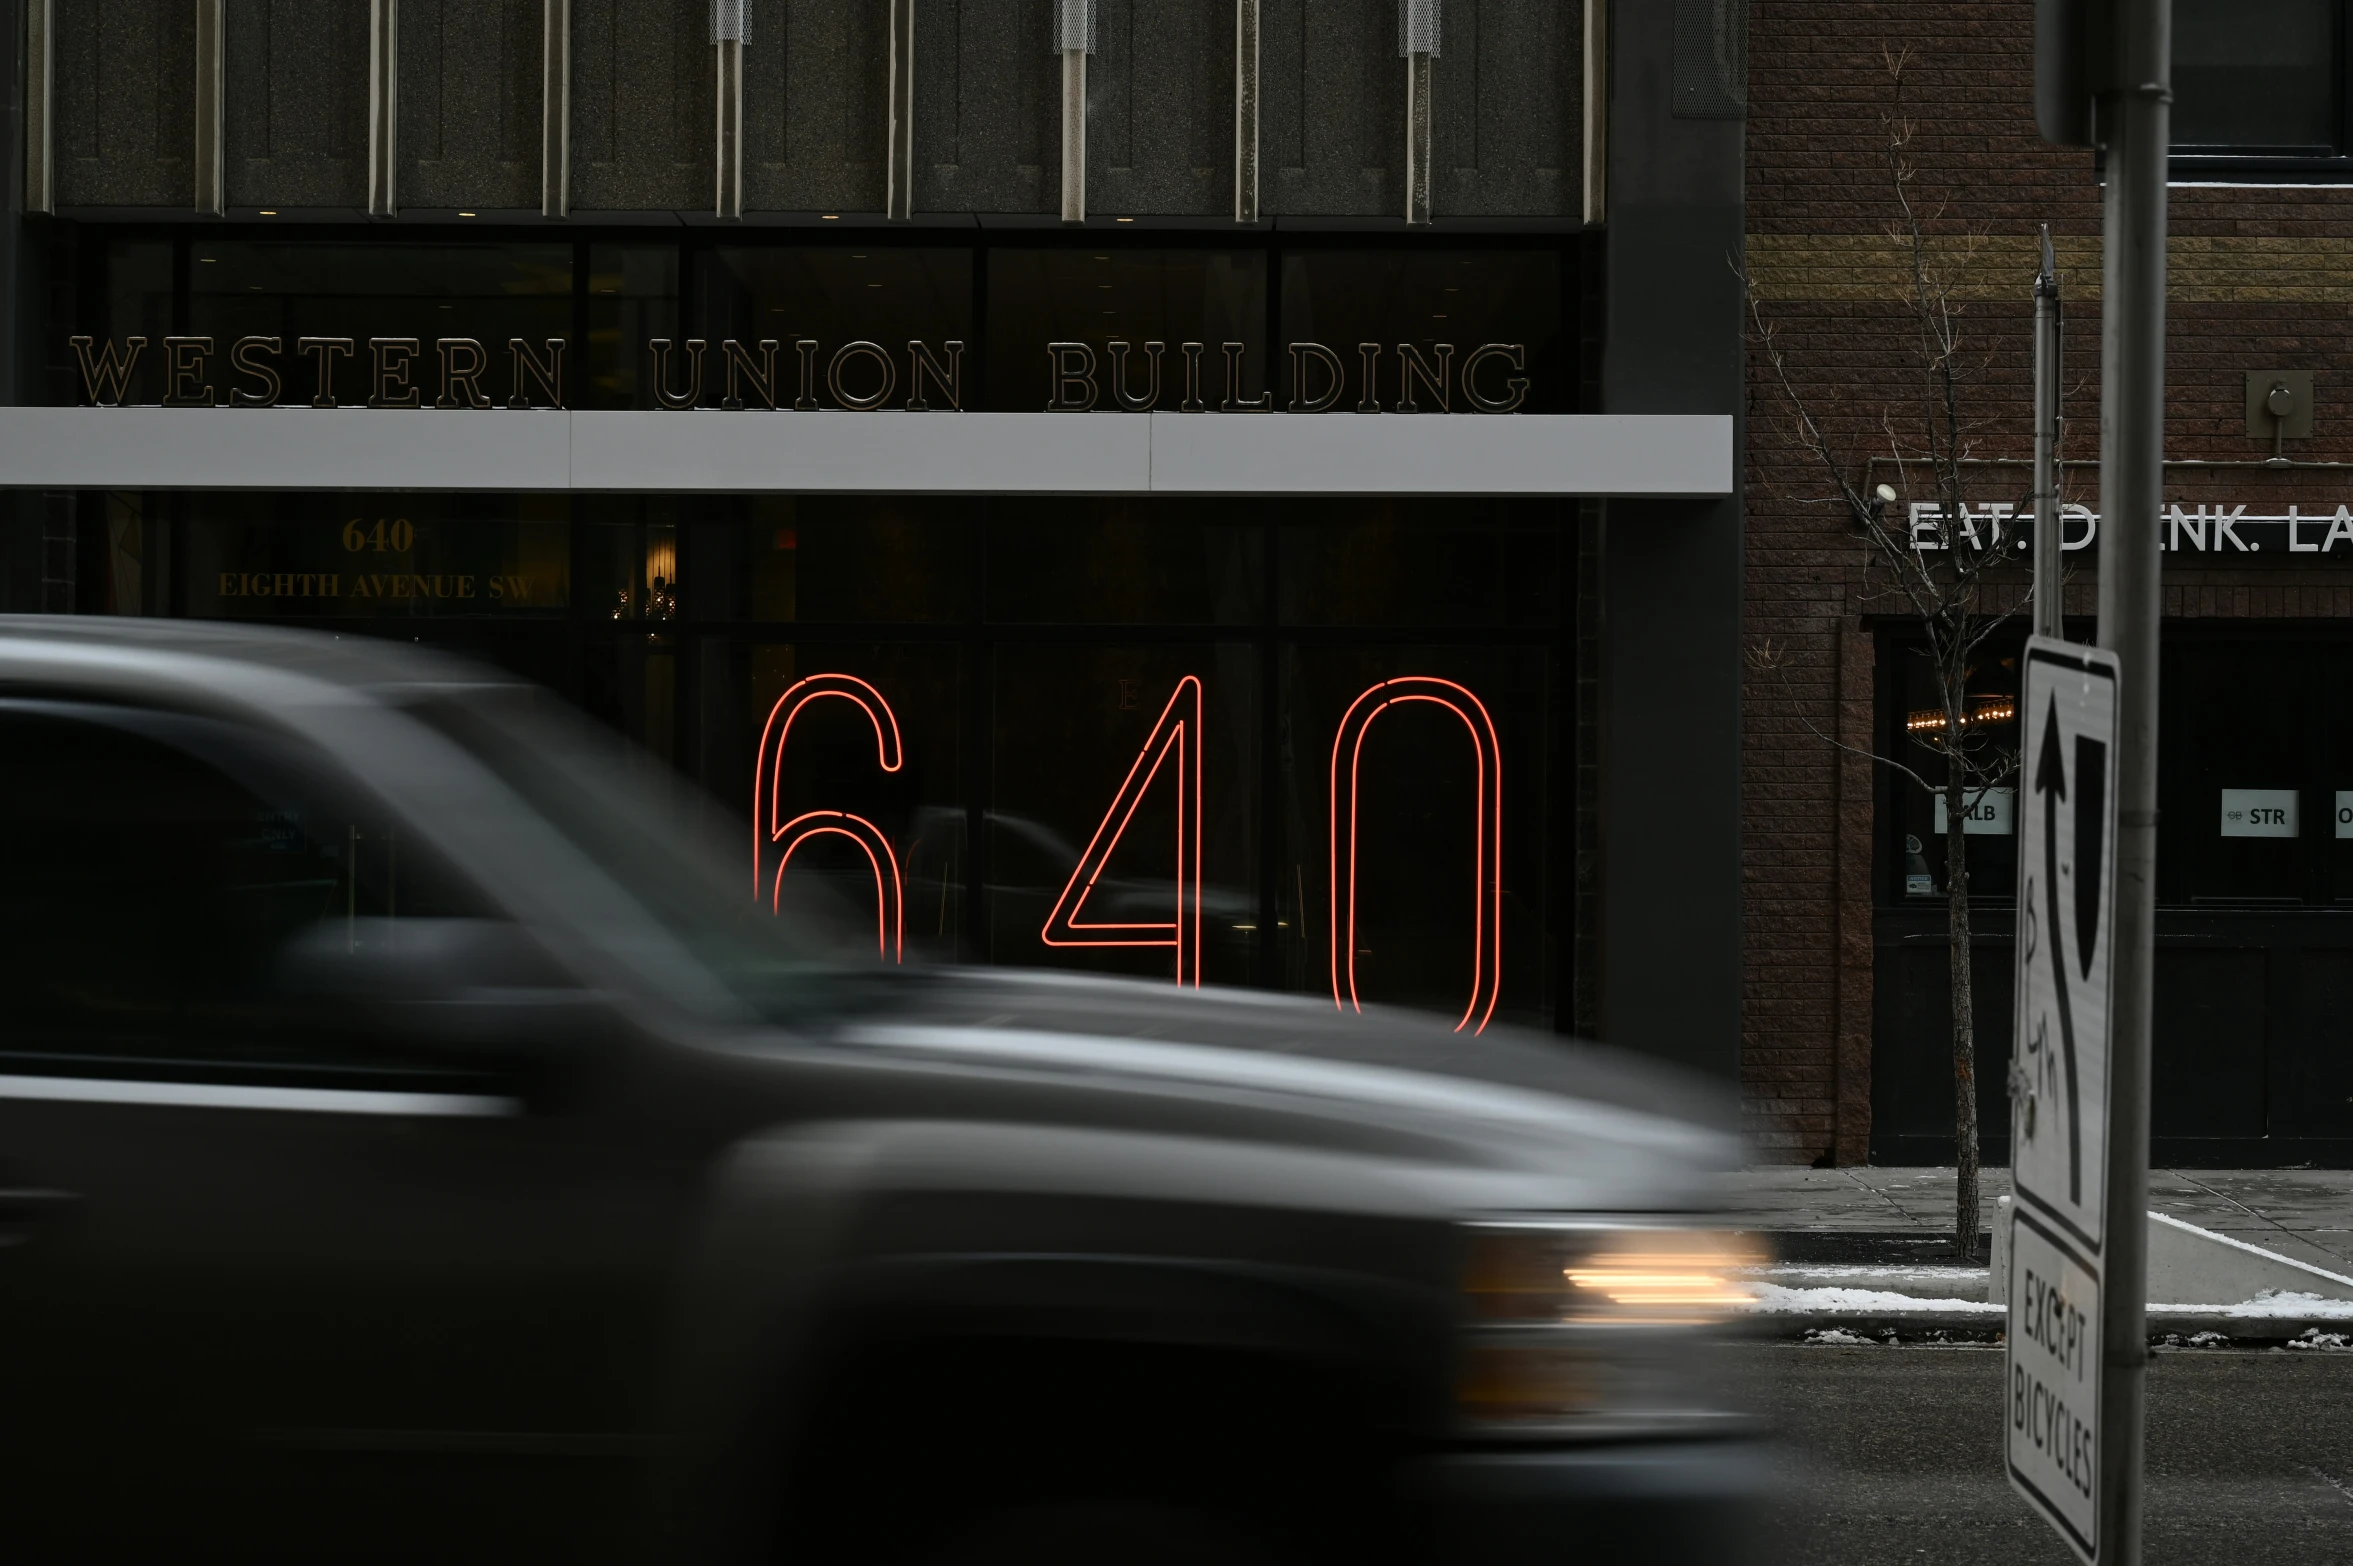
[2133, 117]
[2047, 589]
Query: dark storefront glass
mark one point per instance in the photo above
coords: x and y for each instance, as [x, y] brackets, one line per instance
[2256, 772]
[1173, 297]
[632, 299]
[139, 304]
[2257, 77]
[359, 290]
[1093, 810]
[1393, 761]
[1418, 562]
[1431, 299]
[832, 298]
[1051, 670]
[1915, 740]
[1136, 562]
[814, 558]
[848, 761]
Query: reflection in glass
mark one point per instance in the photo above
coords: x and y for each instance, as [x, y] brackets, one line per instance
[2257, 76]
[1990, 731]
[1428, 840]
[831, 297]
[897, 861]
[1133, 561]
[825, 557]
[1087, 775]
[632, 299]
[1094, 297]
[358, 290]
[1407, 562]
[1342, 298]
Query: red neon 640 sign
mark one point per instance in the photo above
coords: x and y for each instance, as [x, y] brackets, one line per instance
[1174, 749]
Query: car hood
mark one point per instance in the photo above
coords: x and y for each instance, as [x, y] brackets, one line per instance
[1518, 1119]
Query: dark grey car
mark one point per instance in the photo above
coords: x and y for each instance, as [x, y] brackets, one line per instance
[414, 1145]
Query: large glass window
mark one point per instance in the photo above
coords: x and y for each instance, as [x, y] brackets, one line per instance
[1135, 297]
[1442, 306]
[1914, 736]
[842, 318]
[1090, 733]
[351, 291]
[2259, 80]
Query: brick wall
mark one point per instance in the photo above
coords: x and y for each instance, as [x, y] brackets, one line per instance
[2260, 278]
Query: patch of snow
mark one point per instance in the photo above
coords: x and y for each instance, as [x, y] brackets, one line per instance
[1922, 1274]
[1837, 1337]
[1774, 1300]
[2325, 1342]
[2270, 1303]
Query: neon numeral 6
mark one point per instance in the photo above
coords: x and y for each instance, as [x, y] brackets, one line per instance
[774, 842]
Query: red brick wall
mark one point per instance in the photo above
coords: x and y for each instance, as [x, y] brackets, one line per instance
[2262, 278]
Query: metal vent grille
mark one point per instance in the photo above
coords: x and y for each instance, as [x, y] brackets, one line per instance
[727, 21]
[1711, 59]
[1417, 28]
[1074, 26]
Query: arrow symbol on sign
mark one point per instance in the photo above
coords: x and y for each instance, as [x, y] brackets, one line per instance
[2050, 777]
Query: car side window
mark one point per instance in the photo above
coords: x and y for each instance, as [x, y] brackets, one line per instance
[153, 869]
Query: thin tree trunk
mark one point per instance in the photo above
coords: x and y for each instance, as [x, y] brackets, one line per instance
[1965, 1217]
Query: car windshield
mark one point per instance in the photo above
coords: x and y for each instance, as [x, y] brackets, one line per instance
[630, 816]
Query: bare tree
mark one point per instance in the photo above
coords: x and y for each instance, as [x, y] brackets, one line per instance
[1936, 561]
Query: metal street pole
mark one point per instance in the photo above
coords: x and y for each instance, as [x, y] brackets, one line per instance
[2047, 360]
[2133, 116]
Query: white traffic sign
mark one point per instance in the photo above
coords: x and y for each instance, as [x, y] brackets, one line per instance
[2053, 1383]
[2067, 764]
[2066, 923]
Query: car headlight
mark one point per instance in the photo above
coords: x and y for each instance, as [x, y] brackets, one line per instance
[1566, 1323]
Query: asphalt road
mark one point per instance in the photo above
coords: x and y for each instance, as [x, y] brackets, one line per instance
[1896, 1458]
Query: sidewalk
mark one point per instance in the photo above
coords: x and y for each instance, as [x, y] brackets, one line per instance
[1872, 1248]
[2306, 1214]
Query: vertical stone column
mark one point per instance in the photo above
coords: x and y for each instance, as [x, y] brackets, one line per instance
[211, 197]
[383, 105]
[727, 43]
[1417, 45]
[1245, 111]
[40, 80]
[555, 109]
[1074, 40]
[899, 181]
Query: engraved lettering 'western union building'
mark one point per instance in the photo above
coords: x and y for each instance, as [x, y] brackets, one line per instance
[859, 376]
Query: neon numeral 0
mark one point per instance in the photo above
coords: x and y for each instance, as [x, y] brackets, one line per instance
[774, 842]
[1487, 838]
[1178, 730]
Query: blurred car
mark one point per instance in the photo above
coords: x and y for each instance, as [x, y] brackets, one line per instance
[415, 1145]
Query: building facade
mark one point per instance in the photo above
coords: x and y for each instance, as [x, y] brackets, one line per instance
[1848, 1030]
[1239, 491]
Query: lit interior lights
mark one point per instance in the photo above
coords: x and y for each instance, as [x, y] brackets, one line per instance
[1988, 709]
[774, 842]
[1178, 731]
[1486, 838]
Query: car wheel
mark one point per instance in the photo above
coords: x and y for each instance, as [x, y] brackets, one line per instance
[1096, 1533]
